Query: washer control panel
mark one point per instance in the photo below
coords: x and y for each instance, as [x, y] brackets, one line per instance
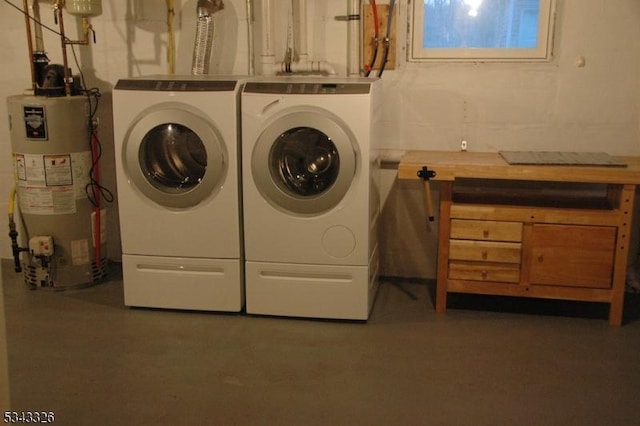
[306, 88]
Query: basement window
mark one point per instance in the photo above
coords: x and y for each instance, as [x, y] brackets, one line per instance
[481, 30]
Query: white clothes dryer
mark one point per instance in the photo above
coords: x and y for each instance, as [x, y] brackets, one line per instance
[310, 194]
[177, 172]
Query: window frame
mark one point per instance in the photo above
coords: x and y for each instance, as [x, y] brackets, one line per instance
[542, 53]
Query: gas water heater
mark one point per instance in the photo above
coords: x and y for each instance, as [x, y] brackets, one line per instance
[55, 154]
[50, 140]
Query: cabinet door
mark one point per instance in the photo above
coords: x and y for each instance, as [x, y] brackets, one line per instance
[571, 255]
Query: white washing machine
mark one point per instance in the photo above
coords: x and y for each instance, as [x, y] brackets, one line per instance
[177, 170]
[311, 205]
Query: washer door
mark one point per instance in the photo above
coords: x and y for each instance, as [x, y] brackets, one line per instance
[304, 162]
[174, 157]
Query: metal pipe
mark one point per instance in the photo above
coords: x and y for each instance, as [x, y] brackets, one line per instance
[303, 64]
[171, 42]
[204, 35]
[37, 29]
[86, 29]
[353, 38]
[203, 46]
[250, 42]
[27, 19]
[301, 18]
[39, 60]
[267, 55]
[63, 40]
[313, 67]
[13, 233]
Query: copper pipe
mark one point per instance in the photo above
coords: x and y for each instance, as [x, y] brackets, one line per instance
[63, 39]
[86, 29]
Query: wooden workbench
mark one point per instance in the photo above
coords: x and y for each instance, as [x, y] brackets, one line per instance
[541, 231]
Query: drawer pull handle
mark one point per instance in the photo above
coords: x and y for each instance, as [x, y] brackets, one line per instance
[541, 258]
[485, 255]
[485, 233]
[484, 274]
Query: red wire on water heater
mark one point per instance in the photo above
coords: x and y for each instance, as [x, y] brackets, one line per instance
[95, 155]
[96, 193]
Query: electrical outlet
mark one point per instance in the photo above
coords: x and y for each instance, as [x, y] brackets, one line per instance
[463, 145]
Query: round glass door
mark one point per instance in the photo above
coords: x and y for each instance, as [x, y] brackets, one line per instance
[175, 157]
[305, 162]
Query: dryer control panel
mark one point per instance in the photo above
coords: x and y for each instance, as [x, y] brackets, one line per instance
[178, 85]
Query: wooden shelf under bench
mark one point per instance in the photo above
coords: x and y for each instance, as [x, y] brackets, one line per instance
[559, 232]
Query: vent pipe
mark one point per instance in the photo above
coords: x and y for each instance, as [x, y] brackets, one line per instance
[204, 35]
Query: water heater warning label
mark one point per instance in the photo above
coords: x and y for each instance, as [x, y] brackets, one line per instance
[57, 170]
[51, 184]
[36, 200]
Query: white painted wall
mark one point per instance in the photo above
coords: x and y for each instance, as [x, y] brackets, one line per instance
[548, 106]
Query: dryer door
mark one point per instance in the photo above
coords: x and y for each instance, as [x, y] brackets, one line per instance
[304, 162]
[174, 157]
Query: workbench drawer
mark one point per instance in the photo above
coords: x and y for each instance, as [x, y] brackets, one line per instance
[486, 230]
[485, 251]
[480, 271]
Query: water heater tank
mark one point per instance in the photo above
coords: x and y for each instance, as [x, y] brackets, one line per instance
[51, 144]
[86, 8]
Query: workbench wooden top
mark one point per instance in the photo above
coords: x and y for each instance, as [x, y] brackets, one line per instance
[449, 165]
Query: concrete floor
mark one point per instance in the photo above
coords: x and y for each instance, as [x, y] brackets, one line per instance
[488, 361]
